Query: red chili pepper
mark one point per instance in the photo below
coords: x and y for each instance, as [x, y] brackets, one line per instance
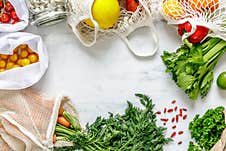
[184, 117]
[173, 127]
[175, 108]
[200, 33]
[179, 143]
[1, 5]
[173, 102]
[180, 132]
[181, 112]
[164, 119]
[170, 110]
[177, 118]
[173, 119]
[173, 134]
[165, 110]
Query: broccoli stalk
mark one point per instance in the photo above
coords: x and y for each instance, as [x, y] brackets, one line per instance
[192, 66]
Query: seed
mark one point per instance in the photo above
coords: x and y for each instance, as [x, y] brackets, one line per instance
[175, 108]
[173, 127]
[173, 134]
[181, 112]
[164, 124]
[184, 109]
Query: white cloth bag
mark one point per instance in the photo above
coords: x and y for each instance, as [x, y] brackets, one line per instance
[23, 14]
[23, 77]
[127, 23]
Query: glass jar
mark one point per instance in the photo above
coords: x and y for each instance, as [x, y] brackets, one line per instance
[46, 12]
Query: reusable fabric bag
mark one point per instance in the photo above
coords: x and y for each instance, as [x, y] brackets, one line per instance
[28, 119]
[127, 23]
[212, 17]
[22, 77]
[23, 14]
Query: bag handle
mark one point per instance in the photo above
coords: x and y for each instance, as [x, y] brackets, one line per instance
[150, 25]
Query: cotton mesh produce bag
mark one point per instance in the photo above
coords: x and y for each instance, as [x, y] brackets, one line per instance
[207, 13]
[22, 13]
[127, 23]
[28, 119]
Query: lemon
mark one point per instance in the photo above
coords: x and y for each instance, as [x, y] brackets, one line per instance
[105, 13]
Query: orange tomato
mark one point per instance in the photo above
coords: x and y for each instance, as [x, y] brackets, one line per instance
[33, 58]
[13, 58]
[200, 5]
[23, 53]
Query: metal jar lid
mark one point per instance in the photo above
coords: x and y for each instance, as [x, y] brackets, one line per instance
[46, 12]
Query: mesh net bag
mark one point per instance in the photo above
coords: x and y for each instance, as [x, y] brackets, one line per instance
[127, 23]
[207, 13]
[28, 119]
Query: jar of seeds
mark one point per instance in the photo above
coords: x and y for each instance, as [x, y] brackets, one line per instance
[46, 12]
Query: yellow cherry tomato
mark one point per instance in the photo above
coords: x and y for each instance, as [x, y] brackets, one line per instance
[33, 58]
[16, 66]
[15, 50]
[173, 8]
[23, 46]
[23, 53]
[29, 50]
[23, 62]
[2, 63]
[13, 58]
[2, 69]
[9, 65]
[4, 56]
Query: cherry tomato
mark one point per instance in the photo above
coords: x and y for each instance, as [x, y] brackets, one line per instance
[2, 56]
[15, 21]
[24, 53]
[5, 18]
[14, 15]
[9, 7]
[33, 58]
[1, 5]
[131, 5]
[183, 28]
[9, 65]
[13, 58]
[2, 63]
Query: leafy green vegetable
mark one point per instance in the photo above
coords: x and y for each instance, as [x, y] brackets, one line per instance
[193, 147]
[192, 65]
[135, 130]
[207, 130]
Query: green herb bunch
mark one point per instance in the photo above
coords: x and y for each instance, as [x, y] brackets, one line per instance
[193, 147]
[135, 130]
[207, 130]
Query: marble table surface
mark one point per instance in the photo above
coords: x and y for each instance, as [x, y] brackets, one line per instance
[102, 78]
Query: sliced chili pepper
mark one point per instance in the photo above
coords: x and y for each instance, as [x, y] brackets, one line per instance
[184, 109]
[180, 132]
[175, 108]
[170, 110]
[173, 119]
[181, 112]
[158, 112]
[165, 110]
[184, 117]
[179, 143]
[173, 102]
[177, 118]
[173, 127]
[164, 119]
[173, 134]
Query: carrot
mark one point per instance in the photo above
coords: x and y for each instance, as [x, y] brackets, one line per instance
[63, 121]
[54, 138]
[61, 110]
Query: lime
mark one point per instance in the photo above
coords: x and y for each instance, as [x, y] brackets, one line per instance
[221, 80]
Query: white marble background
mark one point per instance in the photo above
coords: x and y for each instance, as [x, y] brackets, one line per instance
[100, 79]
